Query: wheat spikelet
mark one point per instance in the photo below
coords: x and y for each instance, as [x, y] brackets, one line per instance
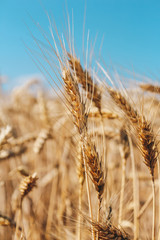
[80, 164]
[124, 105]
[150, 88]
[77, 107]
[148, 145]
[27, 184]
[41, 139]
[86, 81]
[107, 232]
[6, 221]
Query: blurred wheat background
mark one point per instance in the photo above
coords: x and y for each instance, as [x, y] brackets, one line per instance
[79, 157]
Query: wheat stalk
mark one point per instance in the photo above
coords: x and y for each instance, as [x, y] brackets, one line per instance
[81, 178]
[125, 152]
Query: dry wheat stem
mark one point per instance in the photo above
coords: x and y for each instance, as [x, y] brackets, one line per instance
[80, 164]
[135, 192]
[154, 210]
[124, 152]
[81, 178]
[18, 221]
[79, 215]
[146, 205]
[104, 166]
[88, 191]
[122, 188]
[51, 207]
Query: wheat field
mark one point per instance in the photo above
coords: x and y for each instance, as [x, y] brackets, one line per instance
[82, 163]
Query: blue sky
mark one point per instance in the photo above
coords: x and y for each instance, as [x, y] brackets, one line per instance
[130, 30]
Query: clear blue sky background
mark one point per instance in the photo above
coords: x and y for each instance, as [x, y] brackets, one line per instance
[131, 30]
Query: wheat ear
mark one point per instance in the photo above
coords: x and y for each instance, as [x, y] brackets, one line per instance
[41, 139]
[108, 231]
[86, 81]
[80, 121]
[27, 184]
[149, 150]
[94, 94]
[77, 107]
[94, 164]
[146, 139]
[150, 88]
